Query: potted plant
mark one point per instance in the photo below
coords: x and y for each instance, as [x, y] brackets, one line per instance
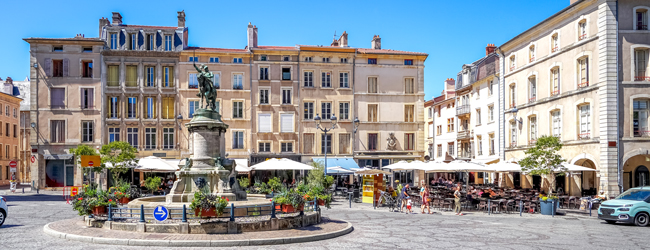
[324, 200]
[82, 200]
[99, 203]
[546, 204]
[291, 201]
[206, 204]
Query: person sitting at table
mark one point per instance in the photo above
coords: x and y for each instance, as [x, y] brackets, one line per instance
[485, 194]
[440, 180]
[492, 193]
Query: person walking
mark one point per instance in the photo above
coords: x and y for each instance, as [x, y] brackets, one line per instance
[424, 193]
[404, 196]
[457, 196]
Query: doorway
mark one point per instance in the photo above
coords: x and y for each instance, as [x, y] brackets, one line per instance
[560, 181]
[516, 180]
[537, 182]
[641, 176]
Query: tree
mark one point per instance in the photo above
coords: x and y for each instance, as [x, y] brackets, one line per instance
[317, 176]
[85, 150]
[542, 159]
[121, 155]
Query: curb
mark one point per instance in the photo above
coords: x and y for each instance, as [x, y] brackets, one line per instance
[197, 243]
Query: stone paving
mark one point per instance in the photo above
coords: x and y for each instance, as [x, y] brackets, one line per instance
[373, 229]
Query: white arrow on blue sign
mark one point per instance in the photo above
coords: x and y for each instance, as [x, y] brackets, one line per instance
[160, 213]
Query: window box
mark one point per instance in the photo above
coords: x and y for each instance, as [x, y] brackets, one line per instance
[584, 136]
[555, 49]
[532, 99]
[582, 37]
[583, 85]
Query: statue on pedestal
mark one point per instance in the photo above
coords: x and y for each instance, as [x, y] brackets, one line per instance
[207, 90]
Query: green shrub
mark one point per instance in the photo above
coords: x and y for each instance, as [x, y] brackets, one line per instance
[205, 200]
[244, 182]
[152, 183]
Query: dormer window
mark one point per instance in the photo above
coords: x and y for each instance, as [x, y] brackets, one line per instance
[641, 19]
[308, 59]
[133, 41]
[555, 46]
[168, 43]
[286, 58]
[531, 53]
[326, 59]
[87, 50]
[150, 44]
[113, 40]
[263, 58]
[582, 30]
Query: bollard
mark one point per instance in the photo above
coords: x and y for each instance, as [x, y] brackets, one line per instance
[489, 206]
[315, 204]
[521, 207]
[553, 208]
[350, 199]
[142, 213]
[110, 212]
[184, 214]
[272, 209]
[23, 190]
[232, 211]
[374, 204]
[590, 208]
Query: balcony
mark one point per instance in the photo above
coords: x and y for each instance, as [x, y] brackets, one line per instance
[641, 27]
[463, 135]
[532, 99]
[555, 49]
[641, 78]
[582, 37]
[584, 136]
[468, 154]
[583, 85]
[462, 109]
[555, 92]
[512, 105]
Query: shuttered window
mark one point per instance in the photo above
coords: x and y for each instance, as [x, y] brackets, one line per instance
[372, 112]
[264, 123]
[113, 77]
[57, 98]
[372, 84]
[308, 143]
[409, 87]
[344, 143]
[131, 76]
[57, 131]
[286, 123]
[168, 108]
[409, 140]
[409, 113]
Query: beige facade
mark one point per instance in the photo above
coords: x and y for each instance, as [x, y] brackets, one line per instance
[444, 122]
[9, 136]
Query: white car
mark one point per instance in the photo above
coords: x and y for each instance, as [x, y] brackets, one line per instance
[3, 210]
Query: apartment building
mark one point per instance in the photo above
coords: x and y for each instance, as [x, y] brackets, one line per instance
[430, 131]
[9, 131]
[20, 89]
[64, 84]
[444, 122]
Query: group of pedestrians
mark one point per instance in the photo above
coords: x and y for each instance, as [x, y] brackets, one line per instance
[424, 196]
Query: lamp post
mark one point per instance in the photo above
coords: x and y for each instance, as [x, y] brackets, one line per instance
[319, 126]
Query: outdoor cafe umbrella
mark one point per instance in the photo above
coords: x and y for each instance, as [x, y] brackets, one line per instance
[400, 165]
[155, 164]
[339, 170]
[281, 164]
[371, 172]
[504, 167]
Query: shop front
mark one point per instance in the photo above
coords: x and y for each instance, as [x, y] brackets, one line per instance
[59, 170]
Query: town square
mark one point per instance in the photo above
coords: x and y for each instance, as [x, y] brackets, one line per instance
[121, 129]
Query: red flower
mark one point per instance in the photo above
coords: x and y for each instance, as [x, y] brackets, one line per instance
[110, 200]
[227, 199]
[80, 199]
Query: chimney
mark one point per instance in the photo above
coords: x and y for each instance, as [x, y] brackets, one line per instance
[117, 18]
[181, 19]
[252, 36]
[343, 40]
[490, 48]
[9, 80]
[450, 84]
[102, 22]
[376, 42]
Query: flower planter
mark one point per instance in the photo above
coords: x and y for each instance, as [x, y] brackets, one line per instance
[546, 207]
[321, 202]
[288, 208]
[99, 210]
[212, 212]
[124, 200]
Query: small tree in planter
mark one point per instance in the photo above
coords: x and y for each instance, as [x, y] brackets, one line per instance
[83, 149]
[542, 159]
[206, 204]
[121, 155]
[152, 183]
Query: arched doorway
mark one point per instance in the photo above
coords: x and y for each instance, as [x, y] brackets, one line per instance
[641, 176]
[583, 183]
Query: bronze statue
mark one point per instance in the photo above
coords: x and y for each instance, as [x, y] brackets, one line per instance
[207, 90]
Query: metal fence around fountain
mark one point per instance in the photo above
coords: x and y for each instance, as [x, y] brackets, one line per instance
[184, 214]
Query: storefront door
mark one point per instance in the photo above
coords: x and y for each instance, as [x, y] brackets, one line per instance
[54, 173]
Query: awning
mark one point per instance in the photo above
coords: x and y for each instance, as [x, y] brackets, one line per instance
[489, 160]
[346, 163]
[58, 157]
[242, 165]
[155, 164]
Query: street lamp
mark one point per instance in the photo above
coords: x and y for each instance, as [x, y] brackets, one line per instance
[356, 124]
[319, 126]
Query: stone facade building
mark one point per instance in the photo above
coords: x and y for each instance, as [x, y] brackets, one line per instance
[9, 132]
[444, 122]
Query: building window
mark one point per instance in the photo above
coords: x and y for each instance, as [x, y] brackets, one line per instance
[641, 19]
[57, 131]
[344, 80]
[237, 81]
[114, 41]
[439, 149]
[133, 42]
[112, 78]
[286, 58]
[113, 107]
[131, 76]
[372, 84]
[479, 145]
[238, 139]
[149, 138]
[237, 109]
[308, 59]
[555, 81]
[513, 63]
[326, 79]
[450, 124]
[286, 96]
[513, 92]
[57, 68]
[513, 134]
[430, 112]
[309, 79]
[193, 59]
[344, 111]
[372, 60]
[264, 58]
[168, 138]
[326, 110]
[286, 74]
[585, 122]
[409, 139]
[532, 89]
[478, 117]
[264, 123]
[439, 130]
[87, 69]
[583, 72]
[408, 61]
[132, 107]
[344, 143]
[409, 113]
[491, 113]
[533, 129]
[326, 59]
[264, 147]
[286, 123]
[7, 131]
[168, 108]
[87, 98]
[492, 144]
[326, 144]
[168, 42]
[531, 53]
[308, 145]
[264, 73]
[151, 77]
[640, 118]
[372, 141]
[113, 134]
[490, 88]
[15, 131]
[450, 148]
[168, 77]
[150, 108]
[309, 110]
[193, 106]
[214, 59]
[193, 82]
[409, 86]
[131, 136]
[641, 65]
[555, 46]
[264, 96]
[150, 44]
[237, 60]
[582, 30]
[344, 60]
[86, 131]
[556, 123]
[372, 112]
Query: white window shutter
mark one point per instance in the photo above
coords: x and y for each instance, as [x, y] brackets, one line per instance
[286, 123]
[264, 123]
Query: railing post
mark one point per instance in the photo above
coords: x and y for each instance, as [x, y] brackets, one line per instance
[374, 205]
[232, 211]
[141, 213]
[273, 210]
[110, 212]
[184, 214]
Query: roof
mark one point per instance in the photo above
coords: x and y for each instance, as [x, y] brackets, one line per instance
[276, 47]
[215, 49]
[71, 39]
[389, 51]
[147, 27]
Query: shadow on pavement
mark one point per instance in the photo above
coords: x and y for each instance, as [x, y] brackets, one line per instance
[8, 226]
[36, 197]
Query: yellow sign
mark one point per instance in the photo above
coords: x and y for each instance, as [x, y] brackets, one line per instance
[90, 161]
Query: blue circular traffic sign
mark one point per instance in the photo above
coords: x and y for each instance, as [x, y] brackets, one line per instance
[160, 213]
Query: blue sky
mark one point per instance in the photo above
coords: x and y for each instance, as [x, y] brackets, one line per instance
[451, 32]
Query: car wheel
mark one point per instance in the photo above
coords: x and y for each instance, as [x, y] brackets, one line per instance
[610, 221]
[641, 219]
[3, 216]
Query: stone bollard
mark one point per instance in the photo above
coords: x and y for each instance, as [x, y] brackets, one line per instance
[141, 213]
[273, 210]
[184, 214]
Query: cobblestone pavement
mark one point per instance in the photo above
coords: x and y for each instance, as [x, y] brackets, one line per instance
[373, 229]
